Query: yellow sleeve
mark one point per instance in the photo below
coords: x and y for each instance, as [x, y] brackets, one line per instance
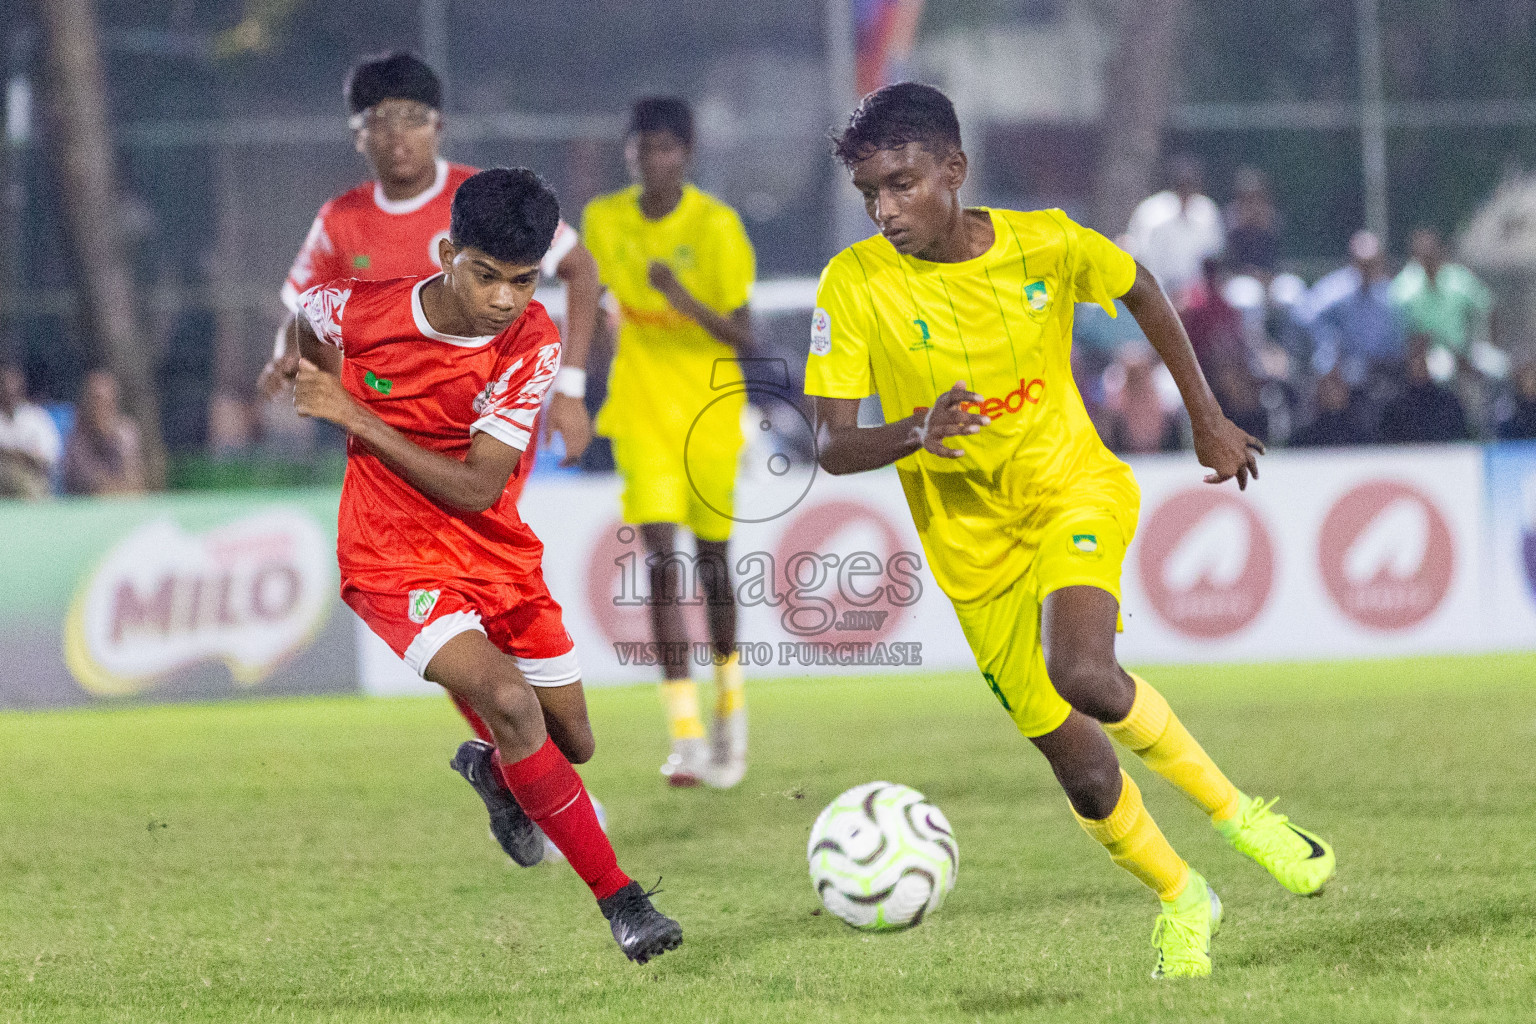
[842, 329]
[1104, 271]
[735, 263]
[595, 234]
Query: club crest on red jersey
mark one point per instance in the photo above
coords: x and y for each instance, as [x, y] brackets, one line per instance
[419, 604]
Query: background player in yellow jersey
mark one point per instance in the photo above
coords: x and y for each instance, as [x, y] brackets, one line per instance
[679, 263]
[961, 321]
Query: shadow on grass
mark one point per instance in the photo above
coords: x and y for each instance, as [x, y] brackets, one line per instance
[1379, 945]
[1011, 1001]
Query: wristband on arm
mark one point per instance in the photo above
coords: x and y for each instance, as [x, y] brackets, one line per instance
[571, 381]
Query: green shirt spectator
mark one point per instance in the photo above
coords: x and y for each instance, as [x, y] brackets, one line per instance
[1443, 300]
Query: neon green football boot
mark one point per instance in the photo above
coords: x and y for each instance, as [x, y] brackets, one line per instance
[1182, 935]
[1300, 860]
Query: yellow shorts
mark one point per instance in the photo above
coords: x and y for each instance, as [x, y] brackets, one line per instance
[659, 487]
[1084, 549]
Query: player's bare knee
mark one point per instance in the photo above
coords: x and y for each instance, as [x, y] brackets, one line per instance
[574, 738]
[1094, 791]
[579, 749]
[1091, 685]
[512, 702]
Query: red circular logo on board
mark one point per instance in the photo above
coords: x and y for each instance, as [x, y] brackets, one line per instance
[1207, 563]
[1386, 555]
[618, 582]
[833, 592]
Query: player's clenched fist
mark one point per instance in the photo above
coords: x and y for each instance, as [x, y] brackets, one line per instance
[949, 418]
[320, 395]
[278, 372]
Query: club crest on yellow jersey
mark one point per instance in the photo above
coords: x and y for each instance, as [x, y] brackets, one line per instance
[1036, 296]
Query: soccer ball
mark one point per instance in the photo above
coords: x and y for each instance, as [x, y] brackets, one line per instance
[882, 857]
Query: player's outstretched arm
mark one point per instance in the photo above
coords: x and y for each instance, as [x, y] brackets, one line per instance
[471, 485]
[1220, 445]
[734, 330]
[842, 446]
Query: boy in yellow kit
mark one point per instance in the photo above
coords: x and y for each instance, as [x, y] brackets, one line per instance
[679, 263]
[961, 321]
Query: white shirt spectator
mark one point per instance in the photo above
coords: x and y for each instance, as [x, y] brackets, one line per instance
[30, 431]
[1172, 237]
[29, 449]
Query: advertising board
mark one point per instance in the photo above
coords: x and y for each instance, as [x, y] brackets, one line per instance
[172, 598]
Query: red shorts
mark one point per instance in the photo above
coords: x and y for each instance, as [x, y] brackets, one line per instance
[520, 618]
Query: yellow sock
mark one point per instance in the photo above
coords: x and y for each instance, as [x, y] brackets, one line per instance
[1157, 736]
[1136, 843]
[681, 698]
[730, 688]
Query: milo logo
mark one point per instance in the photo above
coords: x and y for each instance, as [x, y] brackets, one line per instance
[250, 593]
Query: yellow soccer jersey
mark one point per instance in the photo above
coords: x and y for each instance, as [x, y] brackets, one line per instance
[664, 371]
[906, 330]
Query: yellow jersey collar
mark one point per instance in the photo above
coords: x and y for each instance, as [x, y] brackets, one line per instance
[1000, 243]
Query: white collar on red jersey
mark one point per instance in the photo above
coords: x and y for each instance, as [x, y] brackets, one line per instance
[420, 316]
[414, 203]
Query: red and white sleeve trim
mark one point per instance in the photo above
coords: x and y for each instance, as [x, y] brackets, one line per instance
[503, 429]
[324, 306]
[290, 297]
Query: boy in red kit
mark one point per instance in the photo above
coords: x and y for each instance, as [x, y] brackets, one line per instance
[390, 227]
[437, 381]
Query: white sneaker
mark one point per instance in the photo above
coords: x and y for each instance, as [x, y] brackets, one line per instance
[728, 750]
[687, 763]
[552, 854]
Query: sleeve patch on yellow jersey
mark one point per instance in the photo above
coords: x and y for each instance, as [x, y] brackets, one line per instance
[821, 332]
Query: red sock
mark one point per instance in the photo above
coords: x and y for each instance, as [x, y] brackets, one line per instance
[550, 792]
[472, 718]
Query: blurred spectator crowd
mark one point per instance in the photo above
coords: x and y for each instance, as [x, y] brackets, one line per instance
[89, 448]
[1365, 355]
[1370, 353]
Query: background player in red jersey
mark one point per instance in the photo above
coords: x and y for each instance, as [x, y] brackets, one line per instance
[391, 227]
[437, 381]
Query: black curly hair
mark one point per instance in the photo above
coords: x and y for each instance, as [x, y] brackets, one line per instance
[895, 115]
[663, 113]
[508, 213]
[393, 76]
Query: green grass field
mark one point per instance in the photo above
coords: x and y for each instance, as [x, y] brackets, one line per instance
[316, 860]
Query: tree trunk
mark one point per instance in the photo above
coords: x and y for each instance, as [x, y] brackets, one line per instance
[82, 144]
[1138, 96]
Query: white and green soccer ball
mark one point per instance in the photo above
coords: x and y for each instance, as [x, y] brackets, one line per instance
[882, 857]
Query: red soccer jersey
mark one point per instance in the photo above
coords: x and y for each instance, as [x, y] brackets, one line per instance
[364, 235]
[438, 390]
